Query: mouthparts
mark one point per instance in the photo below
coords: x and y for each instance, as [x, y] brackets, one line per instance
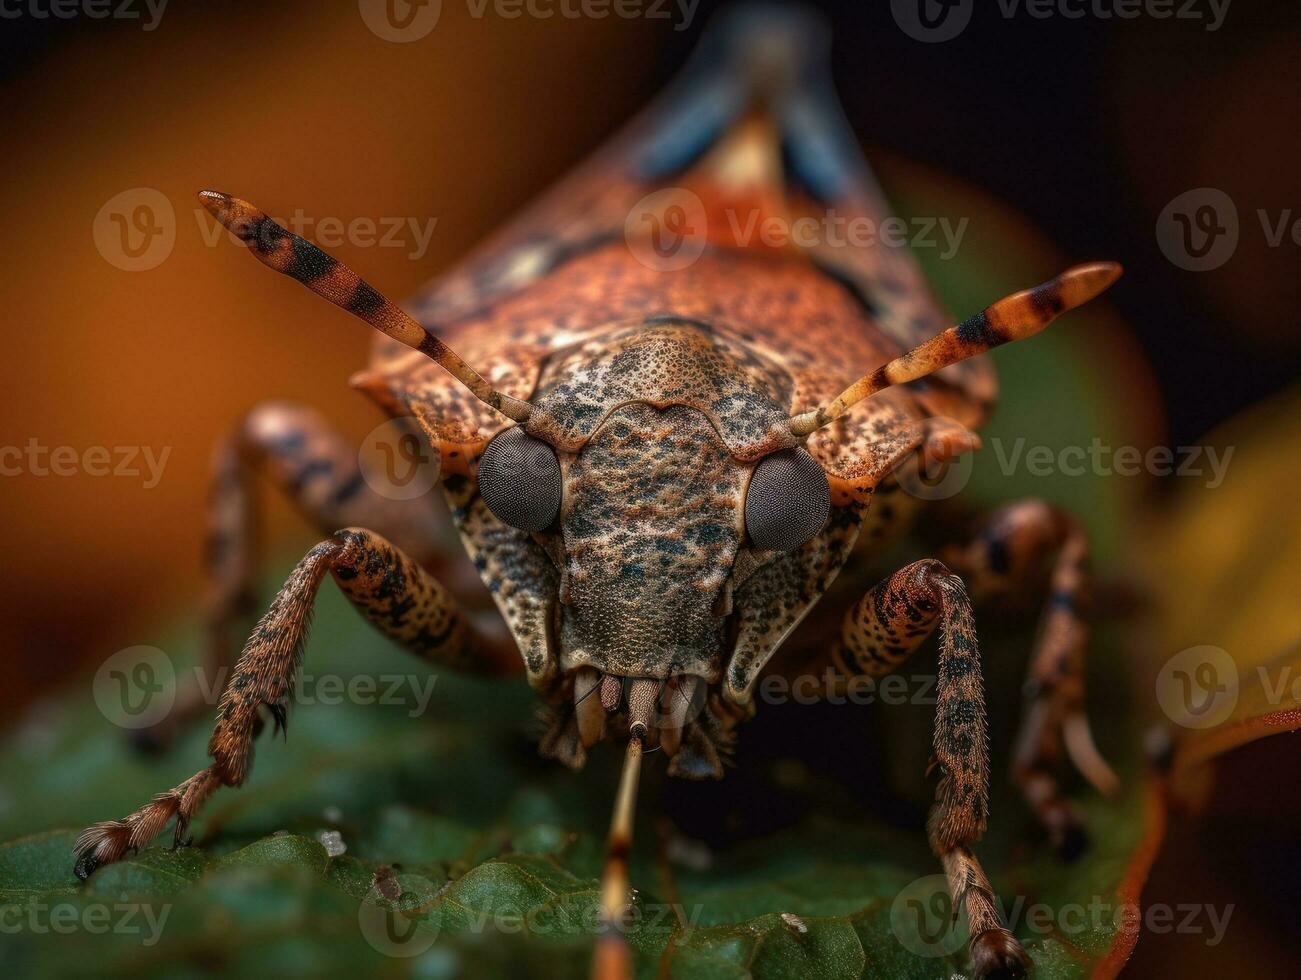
[654, 710]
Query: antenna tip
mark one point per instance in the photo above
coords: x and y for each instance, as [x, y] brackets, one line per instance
[215, 201]
[1081, 283]
[231, 212]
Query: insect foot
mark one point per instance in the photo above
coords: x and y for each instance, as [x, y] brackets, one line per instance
[109, 840]
[996, 955]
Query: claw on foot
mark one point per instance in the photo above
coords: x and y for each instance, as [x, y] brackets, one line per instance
[996, 955]
[110, 840]
[85, 866]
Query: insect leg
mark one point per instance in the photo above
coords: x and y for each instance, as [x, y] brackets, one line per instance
[388, 587]
[882, 629]
[1007, 558]
[308, 460]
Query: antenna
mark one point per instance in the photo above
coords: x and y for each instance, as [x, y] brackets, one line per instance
[330, 279]
[1014, 317]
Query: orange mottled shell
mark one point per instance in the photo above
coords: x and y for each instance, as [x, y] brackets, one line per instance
[810, 334]
[564, 309]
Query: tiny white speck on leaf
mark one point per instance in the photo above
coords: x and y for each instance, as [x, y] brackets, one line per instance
[794, 923]
[333, 843]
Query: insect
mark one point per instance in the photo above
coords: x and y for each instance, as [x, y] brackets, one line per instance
[659, 447]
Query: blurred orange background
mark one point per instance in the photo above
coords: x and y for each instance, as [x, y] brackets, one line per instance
[308, 110]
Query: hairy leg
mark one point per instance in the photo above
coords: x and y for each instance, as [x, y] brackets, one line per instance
[1020, 547]
[303, 456]
[881, 631]
[389, 588]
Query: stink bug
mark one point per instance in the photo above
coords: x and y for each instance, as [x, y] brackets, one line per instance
[659, 463]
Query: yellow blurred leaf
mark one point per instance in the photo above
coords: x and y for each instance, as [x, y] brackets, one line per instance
[1224, 562]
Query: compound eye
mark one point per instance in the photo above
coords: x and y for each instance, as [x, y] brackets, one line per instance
[519, 480]
[788, 501]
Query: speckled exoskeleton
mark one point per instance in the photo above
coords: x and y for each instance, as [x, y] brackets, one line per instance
[658, 458]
